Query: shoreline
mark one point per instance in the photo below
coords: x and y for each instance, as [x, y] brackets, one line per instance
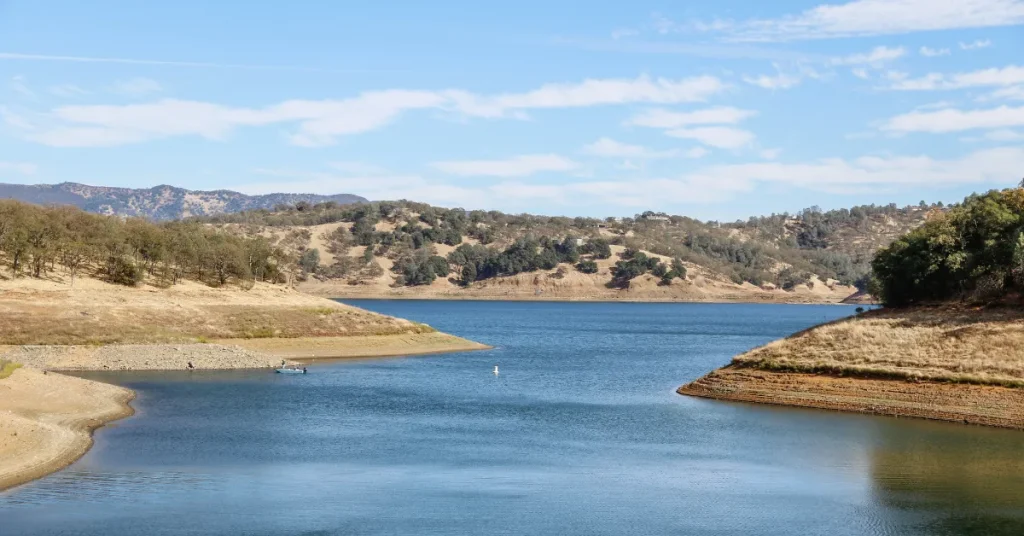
[233, 354]
[566, 299]
[986, 405]
[43, 435]
[47, 419]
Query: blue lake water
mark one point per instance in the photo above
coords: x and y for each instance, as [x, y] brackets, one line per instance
[580, 434]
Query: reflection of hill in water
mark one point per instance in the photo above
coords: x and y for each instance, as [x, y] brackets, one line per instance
[956, 482]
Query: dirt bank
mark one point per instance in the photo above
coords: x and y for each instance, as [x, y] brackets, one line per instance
[973, 404]
[47, 419]
[231, 353]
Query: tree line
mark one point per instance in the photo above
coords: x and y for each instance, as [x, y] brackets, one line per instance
[974, 251]
[37, 240]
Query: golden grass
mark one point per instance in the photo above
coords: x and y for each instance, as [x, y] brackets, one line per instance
[36, 312]
[984, 346]
[7, 368]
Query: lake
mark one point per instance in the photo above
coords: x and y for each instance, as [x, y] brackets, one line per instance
[580, 434]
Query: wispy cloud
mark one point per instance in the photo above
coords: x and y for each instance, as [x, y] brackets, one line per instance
[984, 43]
[704, 126]
[322, 122]
[1006, 76]
[517, 166]
[709, 184]
[609, 148]
[67, 91]
[19, 85]
[934, 52]
[23, 168]
[877, 57]
[955, 120]
[867, 18]
[719, 137]
[18, 56]
[779, 81]
[137, 87]
[662, 118]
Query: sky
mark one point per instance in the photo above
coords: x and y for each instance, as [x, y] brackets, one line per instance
[715, 110]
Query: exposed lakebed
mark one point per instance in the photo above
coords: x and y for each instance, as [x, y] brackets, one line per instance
[581, 433]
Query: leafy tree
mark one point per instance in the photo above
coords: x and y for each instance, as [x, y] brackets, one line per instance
[310, 260]
[587, 267]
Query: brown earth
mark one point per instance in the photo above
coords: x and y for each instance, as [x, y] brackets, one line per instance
[970, 404]
[948, 363]
[47, 419]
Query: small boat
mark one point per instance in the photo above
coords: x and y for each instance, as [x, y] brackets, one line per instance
[495, 370]
[290, 370]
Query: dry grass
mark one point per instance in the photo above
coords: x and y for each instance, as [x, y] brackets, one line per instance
[983, 346]
[34, 312]
[7, 368]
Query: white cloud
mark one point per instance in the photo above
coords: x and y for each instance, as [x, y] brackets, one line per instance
[770, 154]
[609, 148]
[955, 120]
[590, 92]
[137, 87]
[779, 81]
[696, 152]
[15, 120]
[710, 184]
[981, 43]
[622, 33]
[1009, 93]
[17, 56]
[1004, 135]
[517, 166]
[23, 168]
[876, 17]
[720, 137]
[934, 52]
[67, 91]
[358, 168]
[861, 73]
[322, 122]
[19, 85]
[877, 57]
[1006, 76]
[661, 118]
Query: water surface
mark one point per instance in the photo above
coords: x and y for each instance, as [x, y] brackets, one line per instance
[581, 433]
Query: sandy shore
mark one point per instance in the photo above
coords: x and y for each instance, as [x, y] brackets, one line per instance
[233, 353]
[963, 403]
[46, 421]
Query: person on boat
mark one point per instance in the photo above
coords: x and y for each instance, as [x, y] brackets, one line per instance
[303, 370]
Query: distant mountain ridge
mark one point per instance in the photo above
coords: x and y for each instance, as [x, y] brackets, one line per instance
[161, 202]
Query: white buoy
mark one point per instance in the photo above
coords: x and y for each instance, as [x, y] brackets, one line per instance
[495, 370]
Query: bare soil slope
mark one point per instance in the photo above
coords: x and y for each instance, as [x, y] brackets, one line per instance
[948, 363]
[46, 421]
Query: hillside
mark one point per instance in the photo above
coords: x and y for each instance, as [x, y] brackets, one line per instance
[948, 345]
[406, 249]
[159, 202]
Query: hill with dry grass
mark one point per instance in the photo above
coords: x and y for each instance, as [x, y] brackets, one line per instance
[948, 345]
[404, 249]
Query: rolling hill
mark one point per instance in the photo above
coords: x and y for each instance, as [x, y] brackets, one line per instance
[407, 249]
[159, 202]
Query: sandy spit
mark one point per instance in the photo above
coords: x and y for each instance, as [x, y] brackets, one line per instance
[962, 403]
[232, 353]
[47, 420]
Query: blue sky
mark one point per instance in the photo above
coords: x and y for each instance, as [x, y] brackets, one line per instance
[716, 110]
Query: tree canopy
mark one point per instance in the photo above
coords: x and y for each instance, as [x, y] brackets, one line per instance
[974, 251]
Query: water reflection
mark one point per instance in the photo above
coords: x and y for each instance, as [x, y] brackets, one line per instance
[952, 481]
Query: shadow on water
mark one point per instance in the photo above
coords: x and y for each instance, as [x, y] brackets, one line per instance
[957, 480]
